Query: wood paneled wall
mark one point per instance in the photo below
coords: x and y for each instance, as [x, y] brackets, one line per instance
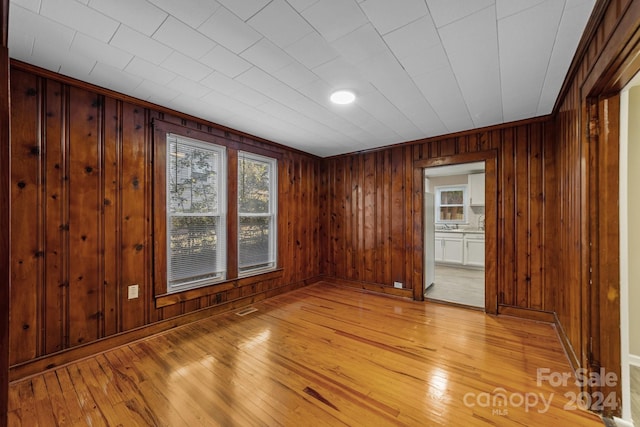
[5, 198]
[82, 190]
[373, 230]
[588, 307]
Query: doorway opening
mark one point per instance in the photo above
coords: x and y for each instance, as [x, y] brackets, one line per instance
[454, 226]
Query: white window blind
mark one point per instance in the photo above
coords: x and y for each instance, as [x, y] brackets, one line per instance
[196, 208]
[257, 213]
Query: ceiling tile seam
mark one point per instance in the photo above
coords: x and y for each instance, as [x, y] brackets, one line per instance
[311, 26]
[402, 66]
[95, 10]
[533, 6]
[304, 95]
[305, 130]
[45, 18]
[499, 68]
[257, 12]
[152, 36]
[430, 15]
[390, 31]
[462, 17]
[546, 72]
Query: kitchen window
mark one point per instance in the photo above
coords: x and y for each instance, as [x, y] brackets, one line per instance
[451, 204]
[257, 218]
[195, 213]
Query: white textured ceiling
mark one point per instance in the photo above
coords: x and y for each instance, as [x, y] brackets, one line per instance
[266, 67]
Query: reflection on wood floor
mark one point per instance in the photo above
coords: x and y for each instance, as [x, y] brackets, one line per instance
[319, 356]
[458, 285]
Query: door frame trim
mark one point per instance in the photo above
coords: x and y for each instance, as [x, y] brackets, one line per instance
[491, 250]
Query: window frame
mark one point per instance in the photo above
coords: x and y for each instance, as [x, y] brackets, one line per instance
[158, 261]
[272, 214]
[222, 190]
[465, 203]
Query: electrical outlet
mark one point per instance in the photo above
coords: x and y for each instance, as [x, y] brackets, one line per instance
[133, 291]
[397, 285]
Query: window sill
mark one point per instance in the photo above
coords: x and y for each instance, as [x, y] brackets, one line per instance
[165, 300]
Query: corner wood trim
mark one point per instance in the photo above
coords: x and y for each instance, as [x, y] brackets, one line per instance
[527, 313]
[546, 317]
[566, 344]
[56, 360]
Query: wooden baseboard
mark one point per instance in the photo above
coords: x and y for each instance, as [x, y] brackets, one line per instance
[547, 317]
[51, 361]
[526, 313]
[566, 344]
[373, 287]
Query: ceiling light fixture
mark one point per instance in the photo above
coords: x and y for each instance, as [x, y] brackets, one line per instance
[342, 97]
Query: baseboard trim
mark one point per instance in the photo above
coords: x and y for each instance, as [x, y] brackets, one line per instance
[369, 286]
[634, 360]
[566, 344]
[36, 366]
[527, 313]
[546, 317]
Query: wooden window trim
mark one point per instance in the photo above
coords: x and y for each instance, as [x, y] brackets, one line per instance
[177, 297]
[162, 297]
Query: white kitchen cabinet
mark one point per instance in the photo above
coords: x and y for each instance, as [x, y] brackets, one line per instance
[450, 248]
[439, 248]
[459, 248]
[474, 250]
[476, 189]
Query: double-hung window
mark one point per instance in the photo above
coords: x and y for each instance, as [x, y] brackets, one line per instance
[257, 213]
[196, 208]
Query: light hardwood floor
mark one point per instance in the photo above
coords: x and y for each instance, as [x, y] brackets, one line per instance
[458, 285]
[319, 356]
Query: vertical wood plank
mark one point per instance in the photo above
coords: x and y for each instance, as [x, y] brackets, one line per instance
[536, 207]
[84, 216]
[387, 218]
[351, 185]
[283, 199]
[397, 215]
[159, 218]
[112, 216]
[408, 220]
[379, 259]
[133, 240]
[418, 224]
[55, 219]
[325, 219]
[26, 253]
[368, 214]
[299, 227]
[339, 214]
[493, 256]
[5, 214]
[316, 250]
[551, 213]
[522, 224]
[507, 220]
[232, 213]
[359, 215]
